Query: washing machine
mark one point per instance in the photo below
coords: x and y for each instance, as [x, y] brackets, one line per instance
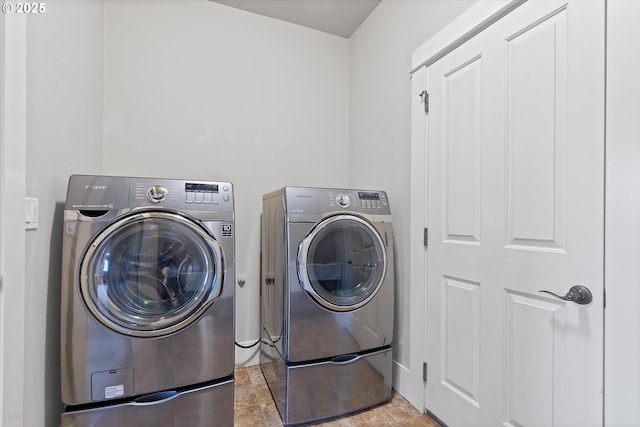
[327, 301]
[147, 302]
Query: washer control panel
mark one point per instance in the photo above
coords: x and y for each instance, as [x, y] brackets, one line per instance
[207, 193]
[103, 193]
[199, 193]
[174, 193]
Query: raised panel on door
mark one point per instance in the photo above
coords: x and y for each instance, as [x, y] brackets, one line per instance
[536, 134]
[462, 96]
[536, 339]
[460, 344]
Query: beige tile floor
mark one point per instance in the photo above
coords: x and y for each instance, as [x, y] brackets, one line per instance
[254, 407]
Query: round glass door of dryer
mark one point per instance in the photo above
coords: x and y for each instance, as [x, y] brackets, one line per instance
[342, 262]
[151, 274]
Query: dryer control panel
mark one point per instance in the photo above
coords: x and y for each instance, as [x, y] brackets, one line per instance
[308, 200]
[372, 199]
[368, 201]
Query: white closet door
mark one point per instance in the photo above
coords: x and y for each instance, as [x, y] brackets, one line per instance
[515, 205]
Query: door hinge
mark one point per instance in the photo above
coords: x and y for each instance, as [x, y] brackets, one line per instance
[424, 98]
[426, 237]
[424, 372]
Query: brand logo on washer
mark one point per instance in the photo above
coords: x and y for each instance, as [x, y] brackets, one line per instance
[96, 187]
[227, 230]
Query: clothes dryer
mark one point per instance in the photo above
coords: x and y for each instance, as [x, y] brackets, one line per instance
[147, 302]
[327, 301]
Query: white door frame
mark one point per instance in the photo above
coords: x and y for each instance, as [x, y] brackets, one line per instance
[13, 132]
[471, 22]
[408, 379]
[622, 350]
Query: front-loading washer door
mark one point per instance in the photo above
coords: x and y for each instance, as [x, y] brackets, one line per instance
[342, 262]
[151, 274]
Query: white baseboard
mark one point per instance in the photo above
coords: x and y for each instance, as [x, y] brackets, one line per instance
[247, 356]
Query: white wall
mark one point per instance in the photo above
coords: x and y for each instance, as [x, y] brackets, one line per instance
[622, 269]
[380, 121]
[13, 129]
[198, 90]
[64, 136]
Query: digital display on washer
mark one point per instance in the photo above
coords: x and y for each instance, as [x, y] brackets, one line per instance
[368, 196]
[200, 188]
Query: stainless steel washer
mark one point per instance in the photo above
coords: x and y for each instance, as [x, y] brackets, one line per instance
[327, 300]
[147, 319]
